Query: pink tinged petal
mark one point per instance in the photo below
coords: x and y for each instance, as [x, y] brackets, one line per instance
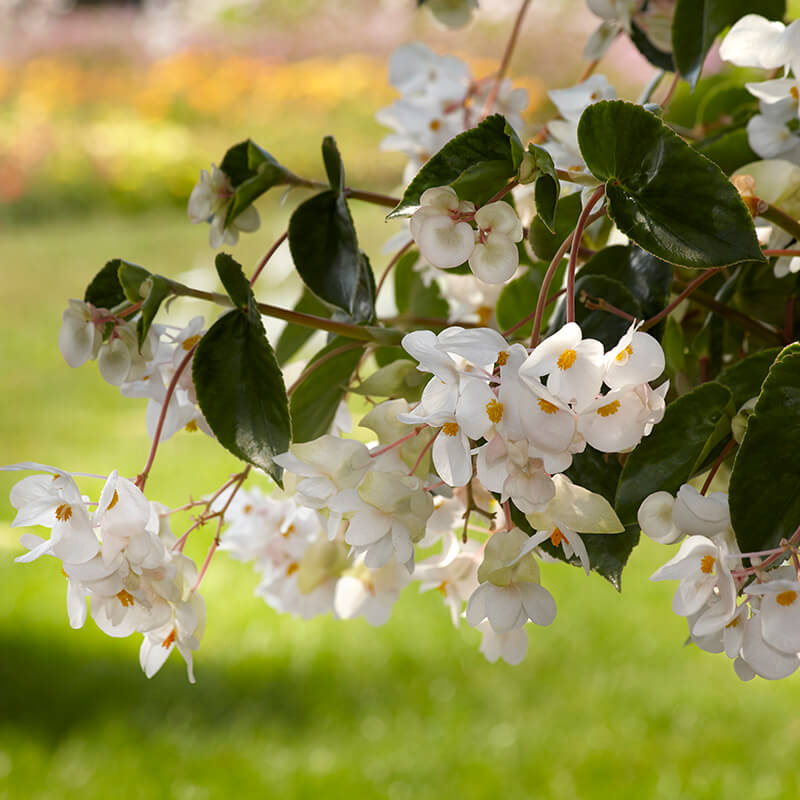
[499, 217]
[76, 605]
[366, 527]
[451, 457]
[503, 607]
[114, 361]
[538, 603]
[445, 243]
[765, 660]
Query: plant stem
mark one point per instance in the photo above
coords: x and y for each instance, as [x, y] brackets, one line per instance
[671, 91]
[680, 298]
[314, 365]
[717, 464]
[355, 194]
[779, 217]
[506, 60]
[573, 253]
[393, 263]
[268, 256]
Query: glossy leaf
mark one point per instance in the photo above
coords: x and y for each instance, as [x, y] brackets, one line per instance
[149, 290]
[251, 171]
[546, 240]
[293, 336]
[697, 23]
[412, 296]
[233, 279]
[334, 168]
[744, 378]
[656, 56]
[517, 300]
[546, 187]
[678, 445]
[661, 193]
[482, 157]
[240, 389]
[105, 290]
[316, 398]
[764, 492]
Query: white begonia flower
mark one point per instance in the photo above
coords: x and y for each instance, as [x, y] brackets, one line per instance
[701, 569]
[655, 518]
[653, 404]
[764, 659]
[637, 358]
[511, 646]
[572, 102]
[615, 422]
[510, 593]
[209, 202]
[754, 41]
[780, 613]
[370, 593]
[79, 337]
[574, 365]
[697, 514]
[422, 75]
[569, 540]
[442, 236]
[495, 257]
[509, 102]
[769, 133]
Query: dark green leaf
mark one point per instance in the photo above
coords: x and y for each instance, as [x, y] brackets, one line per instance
[729, 150]
[517, 300]
[411, 294]
[665, 196]
[325, 251]
[233, 279]
[240, 389]
[673, 346]
[765, 483]
[598, 324]
[142, 287]
[315, 400]
[658, 58]
[105, 290]
[334, 168]
[293, 336]
[364, 300]
[546, 187]
[692, 426]
[546, 241]
[251, 171]
[470, 152]
[698, 22]
[744, 378]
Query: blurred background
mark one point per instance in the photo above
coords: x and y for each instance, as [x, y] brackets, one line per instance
[108, 111]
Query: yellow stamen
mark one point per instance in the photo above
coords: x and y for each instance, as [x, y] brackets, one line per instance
[188, 344]
[609, 409]
[484, 314]
[786, 598]
[126, 598]
[114, 499]
[794, 93]
[434, 124]
[548, 407]
[64, 512]
[733, 623]
[566, 359]
[191, 426]
[707, 564]
[247, 509]
[288, 532]
[494, 411]
[450, 428]
[624, 354]
[442, 587]
[292, 568]
[502, 358]
[170, 639]
[556, 537]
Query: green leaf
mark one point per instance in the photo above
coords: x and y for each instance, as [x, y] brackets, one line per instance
[764, 491]
[233, 279]
[673, 345]
[240, 389]
[597, 324]
[692, 426]
[334, 168]
[658, 58]
[293, 336]
[105, 290]
[646, 277]
[315, 400]
[401, 378]
[698, 22]
[411, 294]
[324, 247]
[141, 286]
[517, 300]
[744, 378]
[251, 171]
[486, 153]
[545, 239]
[662, 194]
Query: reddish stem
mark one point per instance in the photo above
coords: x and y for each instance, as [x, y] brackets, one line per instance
[699, 280]
[422, 453]
[573, 254]
[388, 447]
[268, 256]
[395, 258]
[671, 91]
[717, 464]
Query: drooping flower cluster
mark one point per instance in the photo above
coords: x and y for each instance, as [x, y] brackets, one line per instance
[119, 560]
[756, 624]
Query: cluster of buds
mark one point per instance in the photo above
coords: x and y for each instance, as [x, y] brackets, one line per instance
[752, 614]
[120, 557]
